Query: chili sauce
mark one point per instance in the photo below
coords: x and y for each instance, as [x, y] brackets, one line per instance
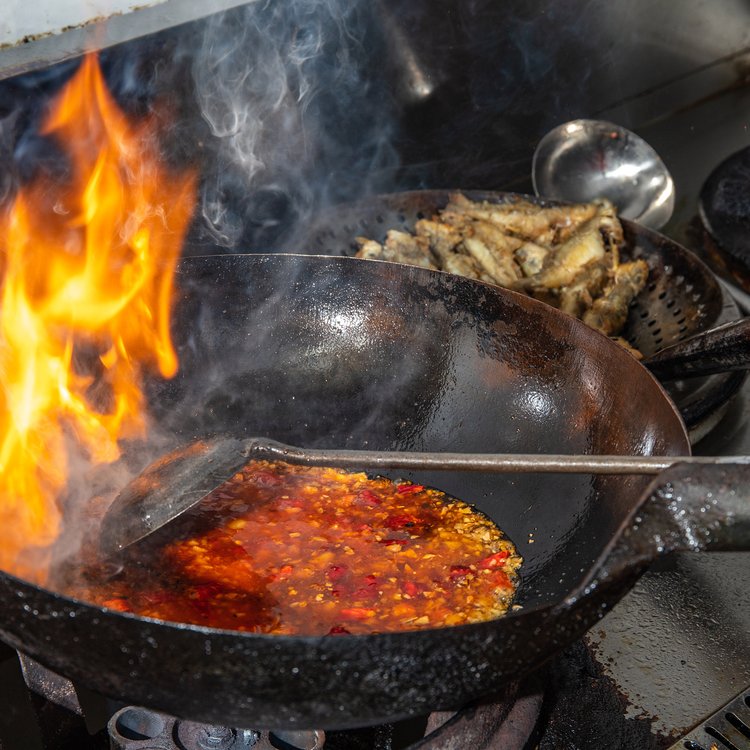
[317, 551]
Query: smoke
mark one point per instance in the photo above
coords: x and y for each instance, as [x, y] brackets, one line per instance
[297, 118]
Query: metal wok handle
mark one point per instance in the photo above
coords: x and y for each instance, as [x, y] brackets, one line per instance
[720, 349]
[686, 508]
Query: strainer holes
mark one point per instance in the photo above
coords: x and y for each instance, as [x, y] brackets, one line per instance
[681, 320]
[670, 304]
[364, 223]
[656, 332]
[401, 218]
[652, 286]
[659, 341]
[348, 229]
[420, 214]
[644, 314]
[683, 329]
[663, 295]
[379, 219]
[677, 312]
[651, 323]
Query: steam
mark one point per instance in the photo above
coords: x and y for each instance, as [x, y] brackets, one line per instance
[287, 116]
[296, 118]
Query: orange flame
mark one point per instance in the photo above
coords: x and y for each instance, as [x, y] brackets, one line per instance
[89, 265]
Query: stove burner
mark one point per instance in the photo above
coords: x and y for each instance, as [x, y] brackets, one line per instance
[570, 703]
[504, 722]
[724, 207]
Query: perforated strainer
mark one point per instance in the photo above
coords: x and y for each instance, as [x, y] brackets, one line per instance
[682, 296]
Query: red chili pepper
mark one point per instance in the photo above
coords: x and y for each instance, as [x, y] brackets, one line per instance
[284, 572]
[366, 592]
[339, 630]
[501, 580]
[387, 542]
[409, 489]
[403, 521]
[357, 613]
[367, 497]
[335, 572]
[493, 561]
[371, 580]
[411, 588]
[121, 605]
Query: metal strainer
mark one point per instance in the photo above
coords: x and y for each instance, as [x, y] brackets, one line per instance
[682, 296]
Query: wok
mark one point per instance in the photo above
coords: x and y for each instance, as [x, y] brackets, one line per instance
[325, 352]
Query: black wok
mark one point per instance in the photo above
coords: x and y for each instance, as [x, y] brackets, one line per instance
[345, 353]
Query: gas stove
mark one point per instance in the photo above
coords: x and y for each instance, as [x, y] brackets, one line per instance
[674, 650]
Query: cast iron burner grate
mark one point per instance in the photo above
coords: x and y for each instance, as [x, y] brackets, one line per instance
[503, 723]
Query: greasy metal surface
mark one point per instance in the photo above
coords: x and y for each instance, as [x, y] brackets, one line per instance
[682, 297]
[727, 729]
[684, 623]
[383, 356]
[166, 489]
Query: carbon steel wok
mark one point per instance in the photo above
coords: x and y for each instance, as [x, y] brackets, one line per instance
[338, 352]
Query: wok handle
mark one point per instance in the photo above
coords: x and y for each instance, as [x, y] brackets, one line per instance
[720, 349]
[688, 507]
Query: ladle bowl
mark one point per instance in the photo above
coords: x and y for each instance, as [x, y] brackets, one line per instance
[582, 160]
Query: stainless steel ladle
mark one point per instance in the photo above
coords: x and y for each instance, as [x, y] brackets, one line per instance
[582, 160]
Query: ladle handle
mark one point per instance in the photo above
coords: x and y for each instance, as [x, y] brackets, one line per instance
[720, 349]
[265, 448]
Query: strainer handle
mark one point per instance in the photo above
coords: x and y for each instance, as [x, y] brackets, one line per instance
[720, 349]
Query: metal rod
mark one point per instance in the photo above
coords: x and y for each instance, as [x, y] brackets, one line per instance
[488, 462]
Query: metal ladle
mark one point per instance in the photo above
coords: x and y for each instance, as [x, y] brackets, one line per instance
[582, 160]
[181, 480]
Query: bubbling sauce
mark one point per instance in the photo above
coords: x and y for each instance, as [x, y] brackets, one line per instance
[317, 551]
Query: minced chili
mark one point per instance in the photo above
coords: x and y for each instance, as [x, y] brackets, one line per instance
[318, 551]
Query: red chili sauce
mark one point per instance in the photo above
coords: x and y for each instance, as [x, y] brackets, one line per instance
[315, 551]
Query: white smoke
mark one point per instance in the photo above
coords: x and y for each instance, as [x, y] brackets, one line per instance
[298, 118]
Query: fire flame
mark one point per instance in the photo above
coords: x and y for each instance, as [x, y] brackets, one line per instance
[86, 276]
